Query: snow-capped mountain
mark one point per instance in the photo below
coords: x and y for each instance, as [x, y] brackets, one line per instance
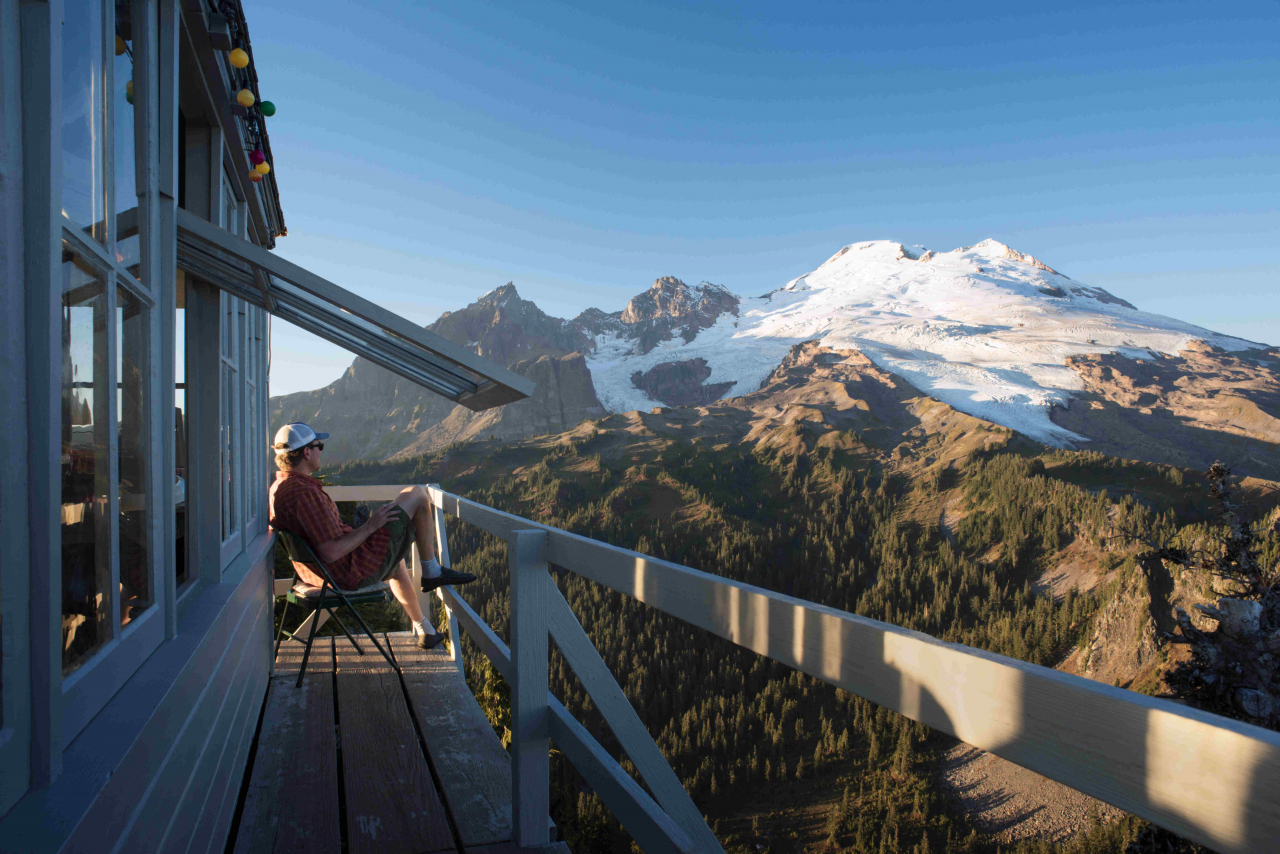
[983, 328]
[990, 332]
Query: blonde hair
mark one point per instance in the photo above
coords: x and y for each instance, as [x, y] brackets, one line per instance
[286, 459]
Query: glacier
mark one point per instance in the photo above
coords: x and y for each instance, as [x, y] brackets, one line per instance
[983, 328]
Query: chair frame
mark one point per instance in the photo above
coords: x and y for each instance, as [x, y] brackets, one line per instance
[299, 550]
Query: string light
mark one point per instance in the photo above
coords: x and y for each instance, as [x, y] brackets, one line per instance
[238, 58]
[267, 108]
[256, 156]
[262, 168]
[245, 98]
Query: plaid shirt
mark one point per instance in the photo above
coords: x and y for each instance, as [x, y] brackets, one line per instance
[298, 503]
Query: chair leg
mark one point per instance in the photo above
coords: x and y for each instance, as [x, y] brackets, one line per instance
[368, 631]
[280, 631]
[343, 626]
[315, 624]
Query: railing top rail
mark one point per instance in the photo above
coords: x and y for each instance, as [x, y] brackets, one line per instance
[1209, 778]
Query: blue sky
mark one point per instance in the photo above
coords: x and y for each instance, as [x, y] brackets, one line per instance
[428, 153]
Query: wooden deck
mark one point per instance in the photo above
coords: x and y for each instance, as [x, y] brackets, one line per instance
[358, 761]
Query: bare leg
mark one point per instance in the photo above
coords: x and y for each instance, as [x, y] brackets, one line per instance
[402, 588]
[417, 504]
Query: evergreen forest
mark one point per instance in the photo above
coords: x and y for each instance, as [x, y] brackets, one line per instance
[779, 761]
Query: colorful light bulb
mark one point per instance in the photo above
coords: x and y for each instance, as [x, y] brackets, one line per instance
[267, 108]
[245, 98]
[238, 58]
[262, 168]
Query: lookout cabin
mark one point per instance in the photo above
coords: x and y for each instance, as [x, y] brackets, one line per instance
[142, 707]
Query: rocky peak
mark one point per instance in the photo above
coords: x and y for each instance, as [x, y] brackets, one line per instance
[671, 307]
[503, 327]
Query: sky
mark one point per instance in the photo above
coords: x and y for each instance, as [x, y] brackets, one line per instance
[429, 153]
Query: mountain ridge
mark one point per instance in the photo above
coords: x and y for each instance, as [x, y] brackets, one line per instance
[986, 329]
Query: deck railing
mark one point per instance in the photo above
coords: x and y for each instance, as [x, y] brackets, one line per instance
[1208, 778]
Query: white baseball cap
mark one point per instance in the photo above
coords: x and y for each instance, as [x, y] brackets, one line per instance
[297, 435]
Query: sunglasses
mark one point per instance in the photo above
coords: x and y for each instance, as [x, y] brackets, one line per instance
[319, 446]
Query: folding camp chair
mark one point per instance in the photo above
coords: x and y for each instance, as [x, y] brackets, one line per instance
[326, 597]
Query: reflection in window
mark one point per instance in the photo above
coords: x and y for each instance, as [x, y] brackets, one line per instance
[84, 188]
[228, 436]
[128, 249]
[86, 559]
[134, 413]
[180, 428]
[253, 465]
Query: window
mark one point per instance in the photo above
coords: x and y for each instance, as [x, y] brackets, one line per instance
[106, 451]
[86, 533]
[254, 428]
[182, 571]
[84, 117]
[229, 434]
[107, 353]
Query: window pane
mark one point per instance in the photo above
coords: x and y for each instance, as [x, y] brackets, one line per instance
[132, 359]
[228, 412]
[84, 187]
[180, 428]
[128, 241]
[86, 560]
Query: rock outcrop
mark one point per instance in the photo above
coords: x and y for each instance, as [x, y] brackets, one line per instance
[1201, 405]
[680, 383]
[671, 308]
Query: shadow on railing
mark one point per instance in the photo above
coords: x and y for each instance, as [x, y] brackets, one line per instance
[1208, 778]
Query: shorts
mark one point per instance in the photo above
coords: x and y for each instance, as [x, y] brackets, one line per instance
[402, 538]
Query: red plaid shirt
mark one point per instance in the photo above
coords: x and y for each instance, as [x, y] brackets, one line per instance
[298, 503]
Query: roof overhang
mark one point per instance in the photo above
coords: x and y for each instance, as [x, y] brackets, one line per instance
[299, 296]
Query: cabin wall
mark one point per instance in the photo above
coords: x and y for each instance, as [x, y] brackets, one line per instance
[142, 744]
[160, 767]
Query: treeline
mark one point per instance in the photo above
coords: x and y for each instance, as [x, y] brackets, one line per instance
[745, 733]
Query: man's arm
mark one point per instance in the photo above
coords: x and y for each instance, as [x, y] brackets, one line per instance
[347, 543]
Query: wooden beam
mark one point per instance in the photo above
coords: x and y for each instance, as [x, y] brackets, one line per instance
[364, 309]
[626, 725]
[530, 767]
[647, 823]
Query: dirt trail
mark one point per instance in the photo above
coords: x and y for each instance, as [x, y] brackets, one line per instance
[1012, 803]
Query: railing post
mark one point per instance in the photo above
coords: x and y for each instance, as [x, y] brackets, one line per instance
[530, 724]
[442, 554]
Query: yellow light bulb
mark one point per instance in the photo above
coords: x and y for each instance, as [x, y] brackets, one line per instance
[245, 98]
[238, 58]
[263, 168]
[120, 46]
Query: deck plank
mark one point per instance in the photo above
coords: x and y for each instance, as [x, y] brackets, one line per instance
[292, 802]
[391, 802]
[290, 658]
[474, 769]
[349, 661]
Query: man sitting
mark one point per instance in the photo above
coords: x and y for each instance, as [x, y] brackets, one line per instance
[356, 557]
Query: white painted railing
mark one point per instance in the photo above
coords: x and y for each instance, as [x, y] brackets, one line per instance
[1211, 779]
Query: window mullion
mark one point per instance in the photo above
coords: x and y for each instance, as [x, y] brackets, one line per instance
[112, 371]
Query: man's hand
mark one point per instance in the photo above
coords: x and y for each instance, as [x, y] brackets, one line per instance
[345, 545]
[382, 516]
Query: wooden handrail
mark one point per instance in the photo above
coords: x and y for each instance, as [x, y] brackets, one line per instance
[1211, 779]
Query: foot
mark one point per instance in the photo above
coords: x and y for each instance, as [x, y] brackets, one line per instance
[429, 641]
[446, 576]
